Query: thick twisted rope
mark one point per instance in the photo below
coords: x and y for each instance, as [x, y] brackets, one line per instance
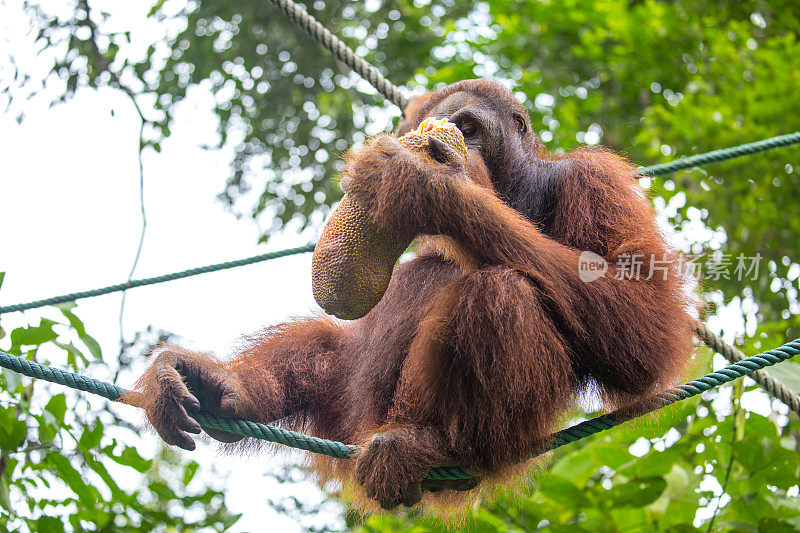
[717, 155]
[234, 425]
[722, 154]
[713, 341]
[297, 14]
[762, 377]
[71, 297]
[711, 380]
[345, 451]
[341, 51]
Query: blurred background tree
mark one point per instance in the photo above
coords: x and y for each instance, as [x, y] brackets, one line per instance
[652, 79]
[65, 459]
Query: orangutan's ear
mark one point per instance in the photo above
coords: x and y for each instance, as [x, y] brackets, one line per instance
[521, 124]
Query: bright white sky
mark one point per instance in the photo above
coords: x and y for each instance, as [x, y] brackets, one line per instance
[69, 213]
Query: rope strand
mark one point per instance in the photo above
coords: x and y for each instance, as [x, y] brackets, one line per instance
[722, 154]
[653, 170]
[762, 377]
[346, 451]
[71, 297]
[297, 14]
[740, 366]
[770, 384]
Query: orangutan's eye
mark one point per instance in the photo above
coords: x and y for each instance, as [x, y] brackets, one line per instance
[468, 128]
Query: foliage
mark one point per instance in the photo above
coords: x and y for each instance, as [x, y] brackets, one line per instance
[653, 79]
[66, 463]
[287, 108]
[681, 457]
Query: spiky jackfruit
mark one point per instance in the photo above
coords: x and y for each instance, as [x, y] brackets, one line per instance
[354, 258]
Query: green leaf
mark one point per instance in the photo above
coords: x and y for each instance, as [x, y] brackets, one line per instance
[76, 324]
[654, 464]
[48, 429]
[48, 524]
[34, 335]
[52, 418]
[12, 429]
[561, 490]
[91, 436]
[637, 492]
[788, 373]
[775, 525]
[100, 469]
[73, 353]
[673, 507]
[72, 478]
[577, 466]
[613, 455]
[5, 499]
[130, 457]
[156, 7]
[93, 346]
[57, 406]
[630, 519]
[189, 471]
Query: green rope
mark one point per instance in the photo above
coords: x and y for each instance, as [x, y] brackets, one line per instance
[341, 51]
[768, 382]
[684, 391]
[157, 279]
[345, 54]
[340, 450]
[654, 170]
[721, 155]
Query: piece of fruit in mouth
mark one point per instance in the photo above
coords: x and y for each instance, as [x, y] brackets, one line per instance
[354, 258]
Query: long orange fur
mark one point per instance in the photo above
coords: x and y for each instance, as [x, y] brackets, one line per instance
[482, 343]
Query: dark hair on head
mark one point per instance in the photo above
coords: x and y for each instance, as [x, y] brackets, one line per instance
[490, 90]
[494, 94]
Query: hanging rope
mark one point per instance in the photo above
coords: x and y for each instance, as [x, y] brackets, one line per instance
[340, 450]
[343, 53]
[770, 384]
[71, 297]
[717, 155]
[297, 14]
[721, 155]
[741, 367]
[762, 377]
